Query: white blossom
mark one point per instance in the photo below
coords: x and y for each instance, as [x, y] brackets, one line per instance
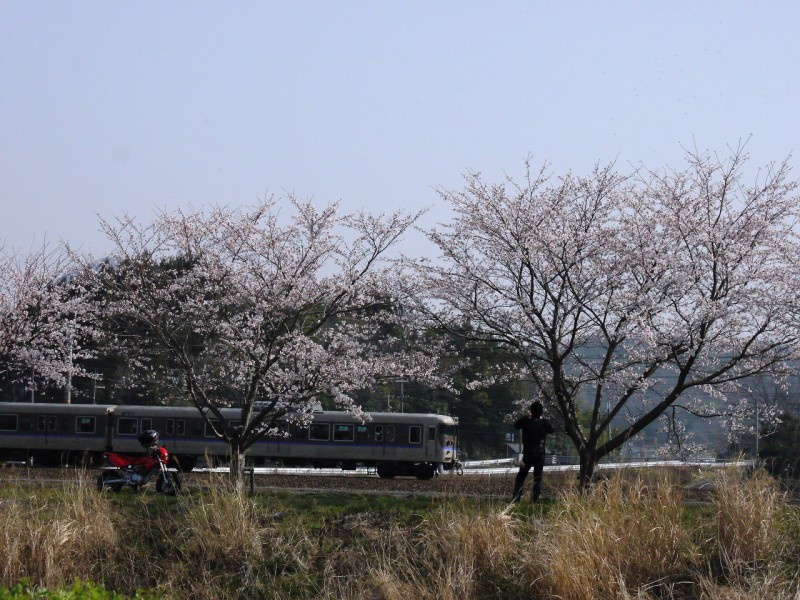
[628, 295]
[267, 308]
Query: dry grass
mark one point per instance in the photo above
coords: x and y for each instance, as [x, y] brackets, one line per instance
[220, 527]
[449, 556]
[629, 537]
[772, 585]
[618, 540]
[748, 535]
[55, 537]
[227, 547]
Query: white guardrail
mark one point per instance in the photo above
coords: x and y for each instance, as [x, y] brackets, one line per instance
[505, 465]
[501, 466]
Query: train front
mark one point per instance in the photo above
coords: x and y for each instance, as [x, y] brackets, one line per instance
[447, 442]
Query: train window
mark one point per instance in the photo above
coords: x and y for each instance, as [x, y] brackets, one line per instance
[343, 433]
[297, 431]
[85, 424]
[362, 433]
[41, 423]
[279, 429]
[210, 430]
[169, 426]
[390, 433]
[147, 424]
[8, 422]
[51, 423]
[414, 434]
[127, 426]
[319, 431]
[378, 433]
[431, 433]
[181, 427]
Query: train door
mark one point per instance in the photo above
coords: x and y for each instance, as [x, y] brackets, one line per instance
[109, 429]
[46, 427]
[384, 440]
[431, 449]
[448, 438]
[379, 439]
[41, 428]
[169, 432]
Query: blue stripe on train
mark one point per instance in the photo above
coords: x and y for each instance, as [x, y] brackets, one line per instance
[214, 442]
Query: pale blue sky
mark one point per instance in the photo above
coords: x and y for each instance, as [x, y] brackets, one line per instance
[129, 106]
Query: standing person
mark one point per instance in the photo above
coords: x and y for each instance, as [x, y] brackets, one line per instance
[534, 429]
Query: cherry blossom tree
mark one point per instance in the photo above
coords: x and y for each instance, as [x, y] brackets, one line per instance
[624, 299]
[267, 309]
[45, 318]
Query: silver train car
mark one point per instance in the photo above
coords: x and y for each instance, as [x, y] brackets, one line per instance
[395, 444]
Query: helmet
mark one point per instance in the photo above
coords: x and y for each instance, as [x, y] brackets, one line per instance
[148, 438]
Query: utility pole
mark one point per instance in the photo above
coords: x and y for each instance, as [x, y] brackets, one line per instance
[757, 429]
[401, 381]
[95, 377]
[68, 390]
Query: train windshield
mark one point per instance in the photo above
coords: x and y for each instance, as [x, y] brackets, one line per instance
[447, 430]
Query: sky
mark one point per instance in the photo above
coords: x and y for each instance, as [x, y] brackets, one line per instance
[134, 107]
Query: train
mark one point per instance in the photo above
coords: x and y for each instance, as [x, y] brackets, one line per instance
[394, 444]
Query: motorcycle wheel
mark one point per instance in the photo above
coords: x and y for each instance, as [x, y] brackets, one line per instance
[103, 478]
[168, 484]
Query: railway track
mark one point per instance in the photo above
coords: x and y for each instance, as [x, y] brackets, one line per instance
[490, 484]
[494, 485]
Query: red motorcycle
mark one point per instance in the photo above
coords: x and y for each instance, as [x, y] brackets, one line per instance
[136, 471]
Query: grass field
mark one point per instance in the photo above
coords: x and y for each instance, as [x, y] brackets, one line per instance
[631, 536]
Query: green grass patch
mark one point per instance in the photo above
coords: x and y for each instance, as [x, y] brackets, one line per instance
[80, 590]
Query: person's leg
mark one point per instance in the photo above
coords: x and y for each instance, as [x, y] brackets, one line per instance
[520, 480]
[538, 469]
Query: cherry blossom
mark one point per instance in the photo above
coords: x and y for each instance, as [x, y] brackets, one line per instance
[46, 318]
[267, 309]
[635, 298]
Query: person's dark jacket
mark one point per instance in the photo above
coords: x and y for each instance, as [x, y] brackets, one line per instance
[534, 432]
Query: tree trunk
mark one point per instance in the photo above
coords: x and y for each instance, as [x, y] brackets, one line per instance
[236, 465]
[588, 463]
